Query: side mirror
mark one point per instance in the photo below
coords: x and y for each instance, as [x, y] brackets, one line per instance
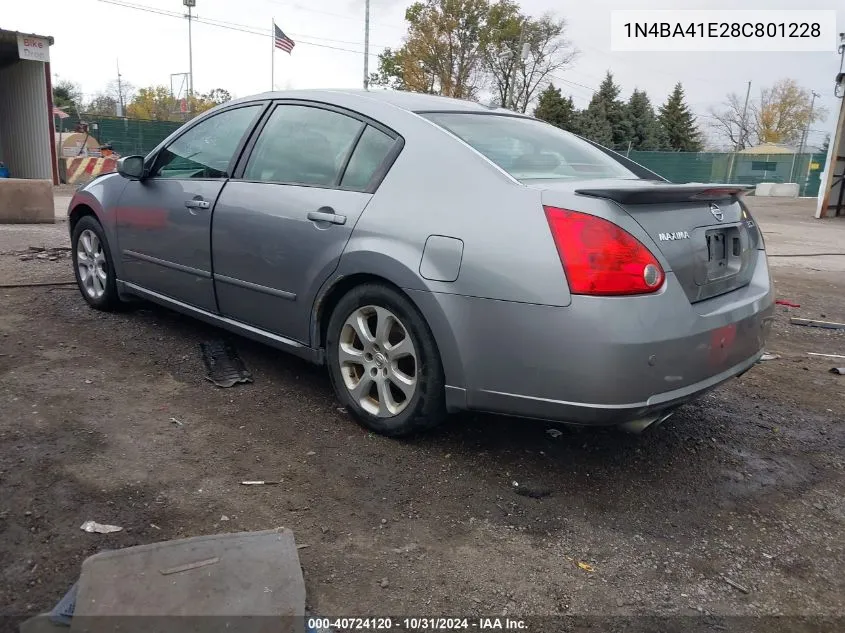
[131, 167]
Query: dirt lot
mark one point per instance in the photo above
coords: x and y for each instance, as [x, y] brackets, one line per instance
[748, 484]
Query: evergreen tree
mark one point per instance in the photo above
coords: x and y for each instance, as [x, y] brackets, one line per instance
[646, 132]
[679, 123]
[595, 125]
[606, 105]
[67, 96]
[553, 108]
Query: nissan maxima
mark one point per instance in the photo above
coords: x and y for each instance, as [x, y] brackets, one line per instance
[435, 255]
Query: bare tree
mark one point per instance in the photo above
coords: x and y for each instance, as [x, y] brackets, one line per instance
[105, 102]
[729, 124]
[514, 80]
[101, 105]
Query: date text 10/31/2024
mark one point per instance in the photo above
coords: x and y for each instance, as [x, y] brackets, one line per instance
[417, 624]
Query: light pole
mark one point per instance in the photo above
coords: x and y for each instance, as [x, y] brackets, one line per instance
[366, 44]
[190, 4]
[120, 104]
[524, 49]
[805, 135]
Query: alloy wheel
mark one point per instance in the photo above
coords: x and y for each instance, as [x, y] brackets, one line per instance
[91, 264]
[378, 361]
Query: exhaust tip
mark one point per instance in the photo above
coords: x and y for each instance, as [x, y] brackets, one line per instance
[639, 426]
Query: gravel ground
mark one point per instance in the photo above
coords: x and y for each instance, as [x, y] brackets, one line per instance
[734, 507]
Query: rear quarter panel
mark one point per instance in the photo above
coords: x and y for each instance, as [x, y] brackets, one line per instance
[439, 186]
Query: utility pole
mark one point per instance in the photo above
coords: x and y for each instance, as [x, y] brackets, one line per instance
[120, 103]
[809, 118]
[806, 134]
[743, 132]
[273, 55]
[366, 44]
[520, 54]
[190, 4]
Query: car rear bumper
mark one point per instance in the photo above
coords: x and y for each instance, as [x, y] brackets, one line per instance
[587, 413]
[602, 360]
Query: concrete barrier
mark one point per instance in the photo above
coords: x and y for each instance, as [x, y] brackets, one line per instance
[76, 171]
[785, 190]
[26, 201]
[777, 189]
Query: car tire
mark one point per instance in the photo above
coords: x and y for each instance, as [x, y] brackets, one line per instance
[93, 265]
[383, 362]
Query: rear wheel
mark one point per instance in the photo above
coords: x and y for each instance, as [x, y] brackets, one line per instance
[93, 265]
[384, 363]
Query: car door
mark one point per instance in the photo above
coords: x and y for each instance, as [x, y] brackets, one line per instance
[164, 219]
[281, 225]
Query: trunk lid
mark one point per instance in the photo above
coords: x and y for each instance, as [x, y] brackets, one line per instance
[703, 230]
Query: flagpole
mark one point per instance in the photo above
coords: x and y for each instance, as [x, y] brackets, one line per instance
[366, 44]
[273, 55]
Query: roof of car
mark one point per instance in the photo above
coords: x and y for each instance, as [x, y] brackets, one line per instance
[411, 101]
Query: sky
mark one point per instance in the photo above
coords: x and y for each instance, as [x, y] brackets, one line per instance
[92, 37]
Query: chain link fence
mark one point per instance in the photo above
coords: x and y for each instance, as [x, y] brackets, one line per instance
[137, 136]
[736, 168]
[126, 136]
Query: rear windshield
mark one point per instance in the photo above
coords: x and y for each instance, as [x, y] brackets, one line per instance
[529, 149]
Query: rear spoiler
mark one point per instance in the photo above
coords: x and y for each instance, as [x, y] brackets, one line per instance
[668, 193]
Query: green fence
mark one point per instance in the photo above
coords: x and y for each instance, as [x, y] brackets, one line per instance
[728, 167]
[136, 136]
[126, 136]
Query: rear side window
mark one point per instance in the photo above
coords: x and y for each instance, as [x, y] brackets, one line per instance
[302, 145]
[529, 149]
[368, 157]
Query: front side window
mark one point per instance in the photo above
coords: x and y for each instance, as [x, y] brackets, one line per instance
[302, 145]
[206, 150]
[529, 149]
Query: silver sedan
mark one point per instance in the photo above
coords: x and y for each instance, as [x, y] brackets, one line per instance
[437, 255]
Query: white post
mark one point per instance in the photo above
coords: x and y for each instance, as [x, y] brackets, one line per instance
[190, 4]
[366, 44]
[517, 58]
[119, 107]
[190, 63]
[803, 187]
[272, 55]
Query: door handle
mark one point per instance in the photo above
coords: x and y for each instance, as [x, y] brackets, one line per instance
[326, 216]
[197, 204]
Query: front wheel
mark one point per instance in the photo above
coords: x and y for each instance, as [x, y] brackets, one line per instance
[93, 265]
[383, 362]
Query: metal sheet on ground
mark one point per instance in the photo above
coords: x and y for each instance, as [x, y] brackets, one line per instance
[254, 585]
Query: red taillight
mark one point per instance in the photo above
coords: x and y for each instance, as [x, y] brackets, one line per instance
[600, 258]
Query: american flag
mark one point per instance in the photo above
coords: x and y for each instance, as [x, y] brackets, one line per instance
[282, 40]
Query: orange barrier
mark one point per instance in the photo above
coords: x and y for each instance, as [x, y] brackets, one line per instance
[80, 170]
